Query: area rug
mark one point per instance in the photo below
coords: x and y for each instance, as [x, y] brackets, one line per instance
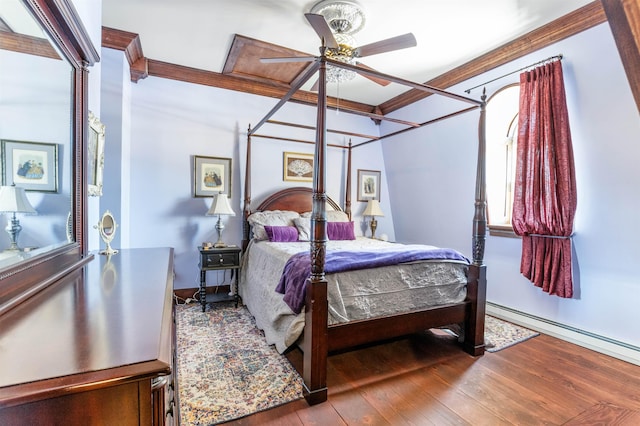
[225, 369]
[499, 334]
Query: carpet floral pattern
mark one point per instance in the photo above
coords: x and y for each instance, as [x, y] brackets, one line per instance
[225, 369]
[500, 334]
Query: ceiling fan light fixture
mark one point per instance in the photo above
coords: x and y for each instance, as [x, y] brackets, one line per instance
[343, 16]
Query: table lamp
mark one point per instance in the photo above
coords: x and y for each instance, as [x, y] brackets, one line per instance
[373, 210]
[220, 207]
[14, 200]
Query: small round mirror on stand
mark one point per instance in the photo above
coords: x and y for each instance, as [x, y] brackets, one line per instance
[107, 227]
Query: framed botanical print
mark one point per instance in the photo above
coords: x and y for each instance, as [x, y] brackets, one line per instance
[211, 175]
[30, 165]
[298, 167]
[368, 185]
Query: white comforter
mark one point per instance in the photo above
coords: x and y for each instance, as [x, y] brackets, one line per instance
[352, 295]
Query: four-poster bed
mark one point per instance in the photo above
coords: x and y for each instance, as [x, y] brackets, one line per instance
[319, 336]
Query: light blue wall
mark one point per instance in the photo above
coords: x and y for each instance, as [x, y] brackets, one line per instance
[161, 124]
[605, 130]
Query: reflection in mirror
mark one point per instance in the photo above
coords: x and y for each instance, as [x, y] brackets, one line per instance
[107, 227]
[35, 106]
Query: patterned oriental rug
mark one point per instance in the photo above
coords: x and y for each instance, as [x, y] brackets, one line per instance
[227, 371]
[225, 368]
[499, 334]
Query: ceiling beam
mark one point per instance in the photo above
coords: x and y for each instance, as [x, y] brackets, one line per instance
[624, 20]
[132, 47]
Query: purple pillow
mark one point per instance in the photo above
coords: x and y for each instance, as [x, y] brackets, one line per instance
[340, 231]
[281, 234]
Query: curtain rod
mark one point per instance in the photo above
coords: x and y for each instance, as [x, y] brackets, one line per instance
[558, 57]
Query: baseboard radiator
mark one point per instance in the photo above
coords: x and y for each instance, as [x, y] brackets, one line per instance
[604, 345]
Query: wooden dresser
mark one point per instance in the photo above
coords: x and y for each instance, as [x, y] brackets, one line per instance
[96, 347]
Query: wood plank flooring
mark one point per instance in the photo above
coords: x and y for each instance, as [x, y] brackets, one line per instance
[428, 380]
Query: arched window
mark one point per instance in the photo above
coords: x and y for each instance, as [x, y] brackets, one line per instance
[502, 139]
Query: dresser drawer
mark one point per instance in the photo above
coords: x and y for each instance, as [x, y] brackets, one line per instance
[220, 260]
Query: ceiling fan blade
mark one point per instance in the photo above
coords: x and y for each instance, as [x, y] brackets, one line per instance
[378, 80]
[387, 45]
[321, 28]
[288, 59]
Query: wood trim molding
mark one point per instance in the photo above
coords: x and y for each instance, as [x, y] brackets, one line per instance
[30, 45]
[624, 20]
[231, 82]
[572, 23]
[132, 47]
[623, 15]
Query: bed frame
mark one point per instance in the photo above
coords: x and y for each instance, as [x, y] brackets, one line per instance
[319, 339]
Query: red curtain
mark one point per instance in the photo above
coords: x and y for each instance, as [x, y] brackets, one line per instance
[545, 200]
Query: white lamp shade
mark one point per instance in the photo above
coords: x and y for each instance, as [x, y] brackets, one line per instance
[13, 199]
[373, 209]
[220, 206]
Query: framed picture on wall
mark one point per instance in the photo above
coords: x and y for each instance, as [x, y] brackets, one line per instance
[298, 167]
[95, 156]
[368, 185]
[30, 165]
[211, 175]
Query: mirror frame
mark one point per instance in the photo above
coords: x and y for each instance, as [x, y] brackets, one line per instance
[22, 280]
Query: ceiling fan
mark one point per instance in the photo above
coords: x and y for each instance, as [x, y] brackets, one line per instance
[335, 33]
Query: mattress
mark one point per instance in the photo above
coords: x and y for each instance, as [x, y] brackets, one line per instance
[352, 295]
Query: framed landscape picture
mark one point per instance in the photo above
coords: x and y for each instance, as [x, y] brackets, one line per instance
[368, 185]
[212, 175]
[298, 167]
[30, 165]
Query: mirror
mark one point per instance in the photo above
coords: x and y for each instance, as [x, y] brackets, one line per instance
[45, 53]
[36, 105]
[107, 227]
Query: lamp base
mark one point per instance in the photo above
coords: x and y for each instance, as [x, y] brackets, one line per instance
[373, 225]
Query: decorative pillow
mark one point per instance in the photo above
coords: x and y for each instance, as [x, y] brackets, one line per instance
[303, 225]
[259, 220]
[281, 234]
[332, 216]
[340, 231]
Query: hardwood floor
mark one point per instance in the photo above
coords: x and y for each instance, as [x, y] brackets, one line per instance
[428, 380]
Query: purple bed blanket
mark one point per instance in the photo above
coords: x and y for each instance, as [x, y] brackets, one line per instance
[298, 268]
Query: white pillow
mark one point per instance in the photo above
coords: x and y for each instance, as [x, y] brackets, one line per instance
[332, 216]
[259, 220]
[304, 228]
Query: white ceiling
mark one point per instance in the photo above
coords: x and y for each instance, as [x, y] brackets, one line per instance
[198, 33]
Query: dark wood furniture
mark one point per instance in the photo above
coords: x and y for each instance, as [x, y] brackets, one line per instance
[96, 347]
[319, 339]
[218, 259]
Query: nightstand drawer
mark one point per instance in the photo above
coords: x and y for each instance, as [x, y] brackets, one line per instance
[213, 260]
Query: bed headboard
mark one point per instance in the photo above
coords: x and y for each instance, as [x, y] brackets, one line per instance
[296, 199]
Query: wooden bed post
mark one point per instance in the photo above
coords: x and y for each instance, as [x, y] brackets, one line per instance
[347, 195]
[477, 285]
[315, 343]
[247, 193]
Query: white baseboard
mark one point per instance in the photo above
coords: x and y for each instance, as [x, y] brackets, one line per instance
[613, 348]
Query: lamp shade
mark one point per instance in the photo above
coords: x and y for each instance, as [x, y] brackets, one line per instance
[373, 209]
[220, 206]
[13, 199]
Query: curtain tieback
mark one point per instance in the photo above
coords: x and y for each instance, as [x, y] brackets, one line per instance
[560, 237]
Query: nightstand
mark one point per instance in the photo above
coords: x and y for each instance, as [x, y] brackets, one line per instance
[216, 259]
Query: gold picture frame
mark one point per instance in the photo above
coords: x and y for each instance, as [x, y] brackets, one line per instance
[95, 156]
[298, 167]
